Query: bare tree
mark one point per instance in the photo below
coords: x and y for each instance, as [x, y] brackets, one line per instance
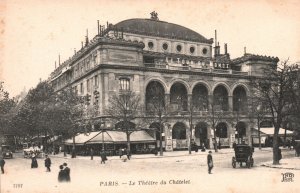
[124, 108]
[259, 113]
[275, 88]
[216, 115]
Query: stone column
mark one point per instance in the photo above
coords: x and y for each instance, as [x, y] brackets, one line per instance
[189, 102]
[167, 102]
[230, 103]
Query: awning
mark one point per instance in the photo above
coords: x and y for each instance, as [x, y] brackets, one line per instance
[81, 139]
[110, 137]
[270, 131]
[120, 137]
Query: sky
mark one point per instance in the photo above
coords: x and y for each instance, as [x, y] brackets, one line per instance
[34, 32]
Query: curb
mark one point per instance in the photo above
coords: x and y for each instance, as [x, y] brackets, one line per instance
[276, 167]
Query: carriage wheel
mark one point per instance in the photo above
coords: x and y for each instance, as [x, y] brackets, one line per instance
[233, 162]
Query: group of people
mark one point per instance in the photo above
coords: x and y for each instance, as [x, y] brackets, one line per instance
[124, 154]
[64, 173]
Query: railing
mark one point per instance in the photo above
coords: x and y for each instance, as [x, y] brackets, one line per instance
[195, 69]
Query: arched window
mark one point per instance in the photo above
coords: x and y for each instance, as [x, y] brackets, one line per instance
[200, 98]
[239, 99]
[220, 99]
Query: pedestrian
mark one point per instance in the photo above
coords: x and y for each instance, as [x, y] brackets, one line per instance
[103, 157]
[120, 152]
[289, 144]
[48, 163]
[234, 145]
[92, 153]
[62, 174]
[34, 163]
[210, 163]
[128, 153]
[2, 163]
[67, 172]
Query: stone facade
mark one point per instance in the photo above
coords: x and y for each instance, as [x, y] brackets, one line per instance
[182, 64]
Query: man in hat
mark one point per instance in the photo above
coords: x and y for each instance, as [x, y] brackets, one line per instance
[67, 172]
[2, 163]
[48, 163]
[210, 163]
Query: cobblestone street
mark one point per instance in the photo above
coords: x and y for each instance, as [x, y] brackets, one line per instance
[176, 171]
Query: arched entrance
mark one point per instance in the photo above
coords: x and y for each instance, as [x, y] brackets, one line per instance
[155, 97]
[240, 131]
[179, 136]
[201, 134]
[220, 99]
[239, 99]
[200, 98]
[178, 97]
[221, 134]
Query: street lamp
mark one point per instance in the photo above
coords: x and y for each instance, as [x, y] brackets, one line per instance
[102, 130]
[258, 108]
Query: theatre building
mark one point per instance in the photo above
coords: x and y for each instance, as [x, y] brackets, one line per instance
[188, 68]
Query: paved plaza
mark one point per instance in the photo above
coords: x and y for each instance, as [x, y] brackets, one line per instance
[174, 172]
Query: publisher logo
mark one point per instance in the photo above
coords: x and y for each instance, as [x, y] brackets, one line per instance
[287, 177]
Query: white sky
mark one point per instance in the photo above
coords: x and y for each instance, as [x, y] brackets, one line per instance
[34, 32]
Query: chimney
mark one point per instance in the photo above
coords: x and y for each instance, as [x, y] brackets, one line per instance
[245, 50]
[87, 37]
[217, 46]
[215, 37]
[74, 50]
[225, 49]
[98, 27]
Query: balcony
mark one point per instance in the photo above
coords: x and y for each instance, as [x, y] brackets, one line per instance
[194, 69]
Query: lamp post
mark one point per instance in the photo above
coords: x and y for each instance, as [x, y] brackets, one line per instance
[237, 126]
[102, 130]
[258, 108]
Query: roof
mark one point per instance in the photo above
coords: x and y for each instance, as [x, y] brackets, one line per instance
[253, 57]
[120, 137]
[152, 27]
[270, 131]
[110, 137]
[81, 139]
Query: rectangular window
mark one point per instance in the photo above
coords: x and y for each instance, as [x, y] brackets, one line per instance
[124, 84]
[96, 81]
[76, 90]
[81, 88]
[88, 87]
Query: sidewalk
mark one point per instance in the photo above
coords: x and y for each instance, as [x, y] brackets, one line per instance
[165, 154]
[289, 163]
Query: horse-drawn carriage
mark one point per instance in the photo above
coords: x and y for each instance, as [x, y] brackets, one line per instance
[297, 147]
[243, 153]
[32, 151]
